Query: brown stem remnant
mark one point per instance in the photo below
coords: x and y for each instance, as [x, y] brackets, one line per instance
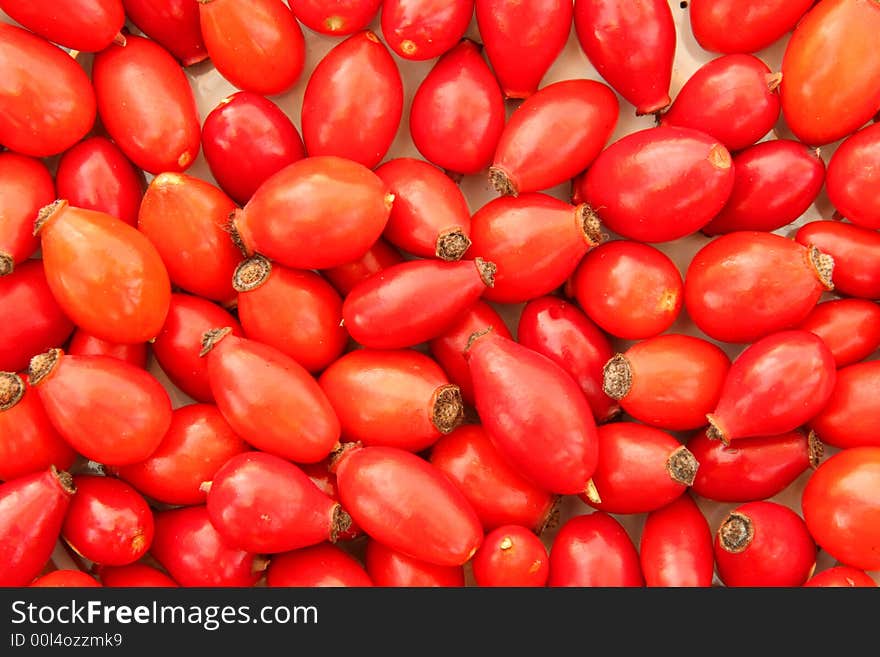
[7, 264]
[452, 244]
[823, 265]
[487, 271]
[682, 466]
[42, 365]
[340, 523]
[447, 410]
[46, 213]
[815, 449]
[65, 480]
[715, 432]
[502, 182]
[11, 390]
[773, 81]
[211, 337]
[617, 377]
[251, 273]
[736, 532]
[590, 225]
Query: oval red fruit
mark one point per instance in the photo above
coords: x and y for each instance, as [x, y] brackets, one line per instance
[25, 186]
[853, 179]
[173, 24]
[511, 555]
[676, 546]
[337, 18]
[388, 567]
[856, 254]
[842, 576]
[743, 25]
[318, 565]
[379, 256]
[85, 344]
[65, 579]
[850, 328]
[86, 25]
[851, 417]
[134, 575]
[424, 29]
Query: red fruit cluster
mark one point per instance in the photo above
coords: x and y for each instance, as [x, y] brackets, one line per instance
[391, 386]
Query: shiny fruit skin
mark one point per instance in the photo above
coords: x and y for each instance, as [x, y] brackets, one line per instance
[106, 276]
[84, 344]
[318, 565]
[155, 122]
[676, 546]
[424, 29]
[775, 385]
[25, 186]
[388, 567]
[730, 26]
[856, 253]
[748, 284]
[658, 184]
[594, 550]
[248, 129]
[185, 218]
[353, 102]
[338, 18]
[108, 410]
[851, 417]
[458, 102]
[108, 522]
[84, 25]
[534, 413]
[325, 480]
[842, 576]
[32, 511]
[497, 492]
[632, 46]
[408, 504]
[379, 256]
[559, 330]
[96, 175]
[774, 183]
[38, 324]
[173, 24]
[178, 344]
[831, 80]
[196, 445]
[396, 398]
[852, 179]
[65, 579]
[47, 102]
[850, 328]
[511, 555]
[134, 575]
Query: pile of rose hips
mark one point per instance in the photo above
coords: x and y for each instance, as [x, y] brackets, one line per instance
[334, 315]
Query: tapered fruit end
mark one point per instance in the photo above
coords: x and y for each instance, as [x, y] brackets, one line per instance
[815, 449]
[211, 337]
[736, 532]
[64, 479]
[551, 519]
[617, 377]
[654, 107]
[260, 562]
[823, 265]
[476, 335]
[773, 81]
[7, 264]
[502, 182]
[42, 365]
[590, 225]
[715, 432]
[120, 39]
[452, 244]
[231, 227]
[592, 493]
[340, 523]
[47, 212]
[341, 452]
[682, 466]
[447, 412]
[251, 273]
[719, 157]
[487, 271]
[11, 390]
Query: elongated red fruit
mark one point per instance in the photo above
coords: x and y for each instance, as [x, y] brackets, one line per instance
[554, 135]
[640, 469]
[856, 254]
[448, 348]
[658, 184]
[325, 480]
[559, 330]
[850, 328]
[728, 284]
[32, 511]
[268, 398]
[84, 344]
[379, 313]
[258, 46]
[424, 29]
[853, 178]
[743, 25]
[851, 418]
[458, 102]
[842, 576]
[28, 441]
[733, 98]
[498, 493]
[296, 311]
[86, 25]
[523, 40]
[676, 546]
[831, 80]
[173, 24]
[594, 550]
[535, 240]
[752, 469]
[632, 45]
[106, 409]
[96, 175]
[388, 567]
[316, 213]
[406, 503]
[393, 398]
[379, 256]
[353, 101]
[25, 186]
[430, 216]
[535, 414]
[155, 122]
[261, 503]
[777, 384]
[774, 183]
[38, 322]
[90, 255]
[186, 544]
[669, 382]
[317, 565]
[185, 218]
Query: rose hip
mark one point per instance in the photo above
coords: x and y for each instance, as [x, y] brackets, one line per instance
[511, 555]
[676, 546]
[850, 328]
